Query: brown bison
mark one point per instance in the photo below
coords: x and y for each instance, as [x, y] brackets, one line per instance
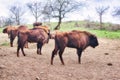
[34, 35]
[74, 39]
[52, 34]
[8, 29]
[37, 24]
[13, 31]
[45, 28]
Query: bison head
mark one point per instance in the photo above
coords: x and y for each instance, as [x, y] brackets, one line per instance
[37, 24]
[5, 30]
[93, 42]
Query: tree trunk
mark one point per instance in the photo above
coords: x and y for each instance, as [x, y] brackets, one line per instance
[59, 23]
[100, 21]
[36, 18]
[18, 22]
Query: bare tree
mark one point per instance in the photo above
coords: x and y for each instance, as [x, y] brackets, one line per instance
[2, 21]
[17, 11]
[101, 10]
[61, 7]
[116, 11]
[35, 9]
[47, 11]
[9, 21]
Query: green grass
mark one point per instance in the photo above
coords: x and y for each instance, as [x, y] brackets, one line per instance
[1, 29]
[99, 33]
[107, 34]
[68, 26]
[5, 44]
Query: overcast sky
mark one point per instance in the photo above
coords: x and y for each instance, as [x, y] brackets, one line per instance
[88, 12]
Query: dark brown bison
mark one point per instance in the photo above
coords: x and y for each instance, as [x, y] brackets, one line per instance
[34, 35]
[9, 30]
[74, 39]
[13, 31]
[37, 24]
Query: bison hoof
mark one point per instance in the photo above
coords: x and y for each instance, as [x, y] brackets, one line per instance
[26, 47]
[39, 53]
[63, 64]
[11, 46]
[24, 55]
[51, 64]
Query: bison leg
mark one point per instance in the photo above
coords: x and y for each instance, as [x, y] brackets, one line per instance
[12, 37]
[18, 48]
[60, 55]
[11, 41]
[79, 53]
[38, 51]
[53, 54]
[23, 51]
[26, 45]
[39, 47]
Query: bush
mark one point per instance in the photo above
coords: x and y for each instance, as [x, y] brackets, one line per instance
[114, 27]
[105, 26]
[92, 25]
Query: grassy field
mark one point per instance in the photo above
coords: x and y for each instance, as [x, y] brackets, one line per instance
[100, 33]
[68, 26]
[1, 29]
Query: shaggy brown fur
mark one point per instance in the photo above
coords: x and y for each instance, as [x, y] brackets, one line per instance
[13, 31]
[74, 39]
[45, 28]
[8, 29]
[38, 36]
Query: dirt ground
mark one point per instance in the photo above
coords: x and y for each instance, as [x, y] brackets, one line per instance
[101, 63]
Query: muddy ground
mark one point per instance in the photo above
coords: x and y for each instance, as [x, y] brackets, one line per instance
[101, 63]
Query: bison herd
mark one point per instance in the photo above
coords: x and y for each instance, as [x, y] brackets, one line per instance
[40, 34]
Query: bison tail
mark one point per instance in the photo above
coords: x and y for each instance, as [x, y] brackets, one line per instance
[57, 46]
[18, 37]
[19, 42]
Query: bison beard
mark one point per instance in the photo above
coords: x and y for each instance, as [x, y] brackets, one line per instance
[74, 39]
